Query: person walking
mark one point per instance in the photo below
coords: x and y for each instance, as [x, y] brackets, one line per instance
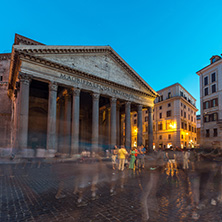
[133, 158]
[114, 156]
[185, 159]
[122, 156]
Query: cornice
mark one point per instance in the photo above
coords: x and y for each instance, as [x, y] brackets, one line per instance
[5, 56]
[24, 40]
[69, 70]
[106, 49]
[176, 98]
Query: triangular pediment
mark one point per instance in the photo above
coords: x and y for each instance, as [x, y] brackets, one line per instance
[102, 62]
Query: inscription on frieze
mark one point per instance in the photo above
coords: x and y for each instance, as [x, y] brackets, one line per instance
[91, 84]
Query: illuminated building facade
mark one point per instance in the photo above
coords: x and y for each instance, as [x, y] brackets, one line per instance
[174, 122]
[211, 103]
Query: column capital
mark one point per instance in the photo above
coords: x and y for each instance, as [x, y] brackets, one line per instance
[24, 78]
[128, 103]
[53, 86]
[113, 99]
[150, 109]
[95, 96]
[75, 91]
[140, 107]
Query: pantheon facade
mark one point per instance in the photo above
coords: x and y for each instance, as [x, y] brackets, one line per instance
[69, 98]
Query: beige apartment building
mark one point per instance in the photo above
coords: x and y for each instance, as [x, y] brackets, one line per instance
[211, 103]
[175, 118]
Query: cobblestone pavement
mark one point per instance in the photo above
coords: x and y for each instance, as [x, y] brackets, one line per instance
[27, 193]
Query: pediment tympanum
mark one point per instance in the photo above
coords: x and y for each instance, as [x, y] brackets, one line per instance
[99, 61]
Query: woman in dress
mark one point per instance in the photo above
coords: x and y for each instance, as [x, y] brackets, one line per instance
[133, 158]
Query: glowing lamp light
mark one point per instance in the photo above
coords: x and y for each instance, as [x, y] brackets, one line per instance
[173, 125]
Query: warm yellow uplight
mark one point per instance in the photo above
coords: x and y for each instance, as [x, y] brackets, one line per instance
[135, 130]
[173, 125]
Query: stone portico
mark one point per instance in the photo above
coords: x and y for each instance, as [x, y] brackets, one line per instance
[69, 98]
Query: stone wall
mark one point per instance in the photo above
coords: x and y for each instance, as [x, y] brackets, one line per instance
[5, 103]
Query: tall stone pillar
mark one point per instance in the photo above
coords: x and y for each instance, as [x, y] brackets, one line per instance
[67, 123]
[51, 124]
[113, 122]
[95, 121]
[150, 128]
[23, 110]
[75, 121]
[118, 125]
[127, 125]
[139, 125]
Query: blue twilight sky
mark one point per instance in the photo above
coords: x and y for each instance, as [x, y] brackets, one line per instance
[164, 41]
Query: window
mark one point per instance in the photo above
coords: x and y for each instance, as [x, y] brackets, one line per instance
[181, 112]
[206, 118]
[206, 80]
[213, 77]
[214, 116]
[147, 111]
[160, 98]
[184, 107]
[206, 91]
[191, 118]
[160, 115]
[214, 102]
[160, 107]
[160, 137]
[169, 136]
[192, 129]
[168, 113]
[215, 132]
[213, 88]
[185, 115]
[189, 127]
[1, 78]
[181, 93]
[169, 95]
[182, 136]
[135, 115]
[185, 126]
[160, 126]
[135, 121]
[188, 109]
[169, 104]
[182, 125]
[146, 118]
[207, 133]
[188, 116]
[181, 104]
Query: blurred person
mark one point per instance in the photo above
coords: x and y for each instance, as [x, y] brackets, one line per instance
[88, 174]
[132, 158]
[172, 164]
[139, 157]
[150, 189]
[114, 156]
[143, 150]
[122, 156]
[186, 156]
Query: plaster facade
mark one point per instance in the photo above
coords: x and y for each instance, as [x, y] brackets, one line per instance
[175, 118]
[210, 78]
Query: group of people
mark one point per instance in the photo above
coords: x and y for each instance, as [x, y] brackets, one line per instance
[135, 157]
